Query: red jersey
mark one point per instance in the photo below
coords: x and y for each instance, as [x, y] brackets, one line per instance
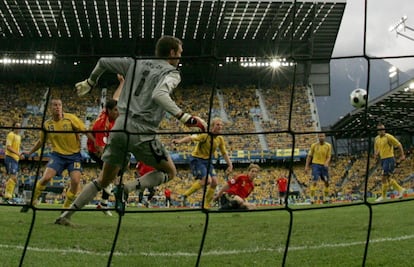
[240, 185]
[167, 192]
[142, 168]
[282, 184]
[102, 123]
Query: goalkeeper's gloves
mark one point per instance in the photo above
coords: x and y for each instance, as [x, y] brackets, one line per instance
[84, 87]
[193, 121]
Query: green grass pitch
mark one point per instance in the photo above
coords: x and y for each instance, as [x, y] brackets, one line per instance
[158, 237]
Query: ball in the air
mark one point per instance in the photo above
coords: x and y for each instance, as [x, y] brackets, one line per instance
[358, 98]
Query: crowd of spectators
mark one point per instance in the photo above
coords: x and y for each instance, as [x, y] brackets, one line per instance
[241, 106]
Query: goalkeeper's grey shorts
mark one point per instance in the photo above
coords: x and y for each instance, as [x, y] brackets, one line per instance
[117, 151]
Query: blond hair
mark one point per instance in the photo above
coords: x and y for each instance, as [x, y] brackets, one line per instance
[215, 120]
[253, 166]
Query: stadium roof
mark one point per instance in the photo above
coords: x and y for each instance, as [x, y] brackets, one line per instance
[108, 27]
[394, 109]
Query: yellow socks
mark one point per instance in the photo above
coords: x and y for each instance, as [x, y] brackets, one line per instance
[326, 192]
[384, 190]
[312, 191]
[70, 197]
[38, 190]
[10, 184]
[395, 185]
[209, 196]
[196, 186]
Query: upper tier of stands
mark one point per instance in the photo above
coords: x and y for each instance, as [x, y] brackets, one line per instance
[246, 112]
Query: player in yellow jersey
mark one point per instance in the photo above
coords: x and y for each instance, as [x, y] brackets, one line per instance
[200, 159]
[11, 160]
[65, 151]
[320, 157]
[384, 151]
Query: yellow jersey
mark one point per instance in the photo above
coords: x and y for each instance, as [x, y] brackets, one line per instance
[13, 140]
[384, 145]
[320, 153]
[203, 147]
[64, 143]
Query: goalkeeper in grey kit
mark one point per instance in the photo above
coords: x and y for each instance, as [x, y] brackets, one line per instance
[142, 105]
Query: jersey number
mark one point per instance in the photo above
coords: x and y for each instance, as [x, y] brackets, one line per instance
[141, 82]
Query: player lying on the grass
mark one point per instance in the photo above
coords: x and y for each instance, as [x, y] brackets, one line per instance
[143, 102]
[234, 193]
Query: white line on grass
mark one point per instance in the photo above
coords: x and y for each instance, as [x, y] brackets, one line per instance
[212, 252]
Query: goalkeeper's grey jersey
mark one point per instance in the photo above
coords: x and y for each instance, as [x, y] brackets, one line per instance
[152, 83]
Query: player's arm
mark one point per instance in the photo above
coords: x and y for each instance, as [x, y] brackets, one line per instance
[223, 150]
[115, 65]
[400, 148]
[221, 192]
[98, 140]
[328, 157]
[12, 150]
[78, 125]
[229, 163]
[36, 146]
[161, 96]
[308, 162]
[376, 149]
[118, 90]
[9, 146]
[186, 139]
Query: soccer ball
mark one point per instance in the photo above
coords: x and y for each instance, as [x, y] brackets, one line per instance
[358, 98]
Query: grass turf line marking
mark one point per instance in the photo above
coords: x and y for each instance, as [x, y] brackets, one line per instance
[212, 252]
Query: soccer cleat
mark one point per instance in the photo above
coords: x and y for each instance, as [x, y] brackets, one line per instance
[401, 193]
[147, 204]
[120, 198]
[107, 213]
[104, 209]
[63, 221]
[109, 189]
[25, 208]
[8, 196]
[379, 199]
[183, 199]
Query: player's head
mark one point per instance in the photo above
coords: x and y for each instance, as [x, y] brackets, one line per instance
[56, 107]
[169, 47]
[16, 125]
[381, 129]
[321, 137]
[112, 109]
[253, 170]
[217, 125]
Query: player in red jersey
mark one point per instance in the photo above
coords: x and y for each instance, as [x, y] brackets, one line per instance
[167, 193]
[104, 122]
[234, 193]
[142, 169]
[282, 183]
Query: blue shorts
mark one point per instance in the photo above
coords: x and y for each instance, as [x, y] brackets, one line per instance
[388, 165]
[60, 162]
[321, 171]
[199, 168]
[12, 166]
